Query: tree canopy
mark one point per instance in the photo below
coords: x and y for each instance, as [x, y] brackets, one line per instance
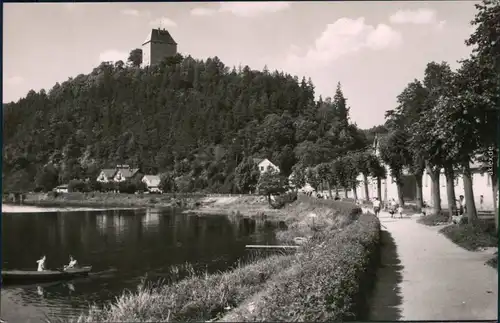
[194, 120]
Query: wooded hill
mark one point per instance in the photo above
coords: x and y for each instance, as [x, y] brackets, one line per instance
[191, 119]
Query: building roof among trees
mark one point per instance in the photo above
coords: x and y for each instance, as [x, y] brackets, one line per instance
[160, 36]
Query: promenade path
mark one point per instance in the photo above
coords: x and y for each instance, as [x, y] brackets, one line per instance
[425, 276]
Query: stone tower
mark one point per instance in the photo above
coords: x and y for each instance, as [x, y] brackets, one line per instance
[158, 45]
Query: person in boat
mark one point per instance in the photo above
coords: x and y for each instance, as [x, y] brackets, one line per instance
[72, 263]
[41, 264]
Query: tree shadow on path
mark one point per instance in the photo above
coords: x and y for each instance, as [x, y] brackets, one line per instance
[385, 299]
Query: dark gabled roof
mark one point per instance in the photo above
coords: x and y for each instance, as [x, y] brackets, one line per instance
[128, 172]
[159, 36]
[109, 173]
[257, 160]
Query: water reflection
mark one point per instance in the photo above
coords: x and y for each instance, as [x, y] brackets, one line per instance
[151, 218]
[122, 246]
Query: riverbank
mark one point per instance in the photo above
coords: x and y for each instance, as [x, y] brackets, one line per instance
[244, 205]
[331, 269]
[237, 205]
[106, 200]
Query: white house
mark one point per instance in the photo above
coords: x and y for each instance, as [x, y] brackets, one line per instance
[481, 184]
[265, 164]
[152, 182]
[106, 175]
[61, 188]
[118, 174]
[124, 172]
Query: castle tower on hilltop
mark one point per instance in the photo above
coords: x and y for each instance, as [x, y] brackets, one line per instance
[158, 45]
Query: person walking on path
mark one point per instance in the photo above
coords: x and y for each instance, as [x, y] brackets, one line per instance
[462, 208]
[376, 206]
[392, 207]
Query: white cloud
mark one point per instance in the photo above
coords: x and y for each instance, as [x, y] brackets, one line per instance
[113, 55]
[440, 25]
[346, 36]
[252, 9]
[200, 11]
[130, 12]
[14, 80]
[422, 16]
[163, 22]
[134, 12]
[243, 9]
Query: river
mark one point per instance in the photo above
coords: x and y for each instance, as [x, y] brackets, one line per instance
[121, 245]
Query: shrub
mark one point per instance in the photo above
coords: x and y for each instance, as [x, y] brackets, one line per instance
[433, 219]
[77, 185]
[472, 236]
[95, 186]
[53, 194]
[493, 262]
[284, 199]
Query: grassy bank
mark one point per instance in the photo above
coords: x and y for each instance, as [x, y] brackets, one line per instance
[322, 281]
[476, 236]
[244, 205]
[97, 199]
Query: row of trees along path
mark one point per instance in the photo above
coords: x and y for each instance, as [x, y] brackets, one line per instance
[451, 118]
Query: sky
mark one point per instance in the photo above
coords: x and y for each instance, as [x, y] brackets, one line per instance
[374, 49]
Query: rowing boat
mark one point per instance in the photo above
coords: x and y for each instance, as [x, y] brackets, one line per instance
[25, 276]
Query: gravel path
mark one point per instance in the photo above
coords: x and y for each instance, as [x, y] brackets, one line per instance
[425, 276]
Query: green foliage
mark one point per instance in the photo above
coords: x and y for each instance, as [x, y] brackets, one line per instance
[246, 176]
[47, 178]
[394, 152]
[197, 119]
[272, 182]
[284, 199]
[472, 236]
[76, 185]
[135, 57]
[167, 182]
[298, 179]
[313, 178]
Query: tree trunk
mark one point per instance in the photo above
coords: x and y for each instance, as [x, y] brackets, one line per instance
[450, 190]
[469, 193]
[435, 189]
[329, 190]
[495, 167]
[336, 191]
[355, 192]
[399, 185]
[494, 185]
[420, 198]
[269, 199]
[346, 192]
[379, 188]
[367, 194]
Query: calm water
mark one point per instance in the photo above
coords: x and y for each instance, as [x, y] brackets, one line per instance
[121, 245]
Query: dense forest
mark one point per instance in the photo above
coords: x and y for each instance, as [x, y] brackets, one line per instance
[190, 120]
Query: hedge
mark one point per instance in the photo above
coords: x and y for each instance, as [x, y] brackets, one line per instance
[330, 283]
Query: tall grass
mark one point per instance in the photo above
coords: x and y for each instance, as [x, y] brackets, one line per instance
[203, 296]
[195, 298]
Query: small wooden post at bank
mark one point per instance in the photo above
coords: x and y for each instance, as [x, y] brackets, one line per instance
[256, 246]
